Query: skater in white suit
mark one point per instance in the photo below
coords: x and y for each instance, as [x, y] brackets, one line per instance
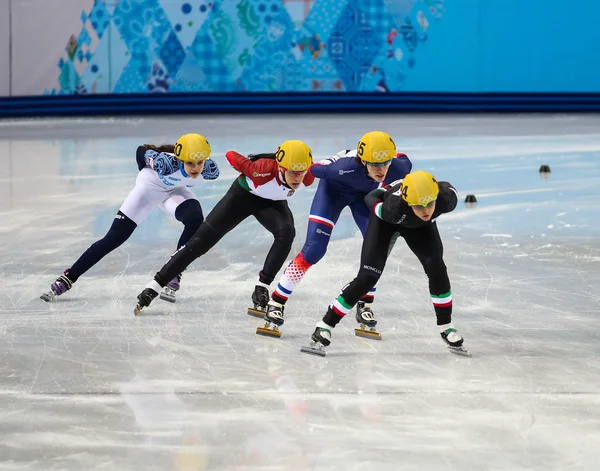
[166, 175]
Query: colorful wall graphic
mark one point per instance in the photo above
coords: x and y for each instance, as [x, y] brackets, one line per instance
[159, 46]
[76, 47]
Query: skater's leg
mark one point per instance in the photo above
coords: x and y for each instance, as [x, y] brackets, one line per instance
[374, 255]
[361, 214]
[120, 230]
[426, 244]
[135, 208]
[183, 206]
[324, 213]
[228, 213]
[144, 197]
[276, 217]
[232, 209]
[190, 214]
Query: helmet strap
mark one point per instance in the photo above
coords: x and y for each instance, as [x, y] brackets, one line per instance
[282, 177]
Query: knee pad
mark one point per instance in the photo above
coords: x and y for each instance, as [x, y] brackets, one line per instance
[190, 214]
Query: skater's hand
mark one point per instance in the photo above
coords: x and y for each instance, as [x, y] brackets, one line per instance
[210, 170]
[328, 161]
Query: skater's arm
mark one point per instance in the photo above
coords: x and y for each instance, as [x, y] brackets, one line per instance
[140, 157]
[161, 162]
[339, 167]
[243, 164]
[387, 205]
[210, 170]
[447, 198]
[400, 167]
[374, 197]
[309, 179]
[320, 169]
[260, 171]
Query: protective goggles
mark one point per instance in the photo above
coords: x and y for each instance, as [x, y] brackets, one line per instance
[423, 206]
[379, 164]
[294, 173]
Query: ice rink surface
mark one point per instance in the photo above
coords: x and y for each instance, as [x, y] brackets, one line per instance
[86, 386]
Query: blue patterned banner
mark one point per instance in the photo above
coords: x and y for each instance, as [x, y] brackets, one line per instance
[160, 46]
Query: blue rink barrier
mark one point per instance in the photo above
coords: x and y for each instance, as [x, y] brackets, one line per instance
[205, 103]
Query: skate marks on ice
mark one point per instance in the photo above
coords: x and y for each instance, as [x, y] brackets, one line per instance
[190, 385]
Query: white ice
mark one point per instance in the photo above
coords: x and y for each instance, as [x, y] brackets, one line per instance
[86, 386]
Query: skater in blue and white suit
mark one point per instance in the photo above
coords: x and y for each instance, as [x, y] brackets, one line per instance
[345, 180]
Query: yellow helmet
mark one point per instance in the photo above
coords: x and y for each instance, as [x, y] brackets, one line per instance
[419, 188]
[192, 148]
[376, 147]
[294, 155]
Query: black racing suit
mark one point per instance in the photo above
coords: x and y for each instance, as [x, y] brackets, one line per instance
[392, 217]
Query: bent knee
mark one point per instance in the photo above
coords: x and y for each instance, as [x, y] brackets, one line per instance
[313, 251]
[435, 267]
[368, 276]
[190, 213]
[285, 233]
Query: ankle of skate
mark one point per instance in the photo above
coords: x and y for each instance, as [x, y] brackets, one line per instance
[452, 337]
[62, 284]
[320, 339]
[322, 334]
[364, 315]
[146, 297]
[174, 284]
[274, 313]
[168, 293]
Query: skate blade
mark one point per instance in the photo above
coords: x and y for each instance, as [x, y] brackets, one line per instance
[167, 297]
[314, 351]
[367, 334]
[267, 332]
[49, 296]
[460, 351]
[137, 310]
[256, 312]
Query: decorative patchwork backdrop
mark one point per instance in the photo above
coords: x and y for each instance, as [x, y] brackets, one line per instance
[160, 46]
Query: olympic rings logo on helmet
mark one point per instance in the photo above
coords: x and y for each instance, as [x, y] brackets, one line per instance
[298, 167]
[198, 155]
[381, 155]
[425, 200]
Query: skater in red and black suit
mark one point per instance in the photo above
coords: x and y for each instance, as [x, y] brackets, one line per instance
[262, 190]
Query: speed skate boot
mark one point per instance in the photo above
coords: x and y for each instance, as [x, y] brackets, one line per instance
[260, 298]
[274, 315]
[168, 293]
[62, 284]
[367, 321]
[320, 339]
[144, 299]
[454, 341]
